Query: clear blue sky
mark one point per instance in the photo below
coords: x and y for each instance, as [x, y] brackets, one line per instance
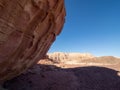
[91, 26]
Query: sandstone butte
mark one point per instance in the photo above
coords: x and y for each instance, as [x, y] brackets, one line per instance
[62, 57]
[27, 30]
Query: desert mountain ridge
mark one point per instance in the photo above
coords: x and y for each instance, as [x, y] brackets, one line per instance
[72, 55]
[79, 59]
[77, 55]
[81, 53]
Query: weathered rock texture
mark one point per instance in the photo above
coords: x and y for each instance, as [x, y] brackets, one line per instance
[78, 59]
[27, 30]
[62, 57]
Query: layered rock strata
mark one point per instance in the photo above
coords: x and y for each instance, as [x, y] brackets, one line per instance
[78, 59]
[27, 30]
[61, 57]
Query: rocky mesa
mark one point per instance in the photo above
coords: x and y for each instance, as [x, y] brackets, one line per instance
[63, 59]
[27, 30]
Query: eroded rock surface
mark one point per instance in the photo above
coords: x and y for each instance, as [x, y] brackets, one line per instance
[62, 57]
[27, 30]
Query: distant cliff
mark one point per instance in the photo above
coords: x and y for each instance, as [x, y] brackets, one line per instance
[81, 59]
[63, 57]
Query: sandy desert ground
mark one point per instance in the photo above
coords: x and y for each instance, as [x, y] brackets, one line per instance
[97, 73]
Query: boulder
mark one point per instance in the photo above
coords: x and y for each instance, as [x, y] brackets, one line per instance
[27, 30]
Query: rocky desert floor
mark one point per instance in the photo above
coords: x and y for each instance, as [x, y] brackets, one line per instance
[47, 75]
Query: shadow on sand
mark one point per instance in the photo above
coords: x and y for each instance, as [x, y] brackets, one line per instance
[48, 77]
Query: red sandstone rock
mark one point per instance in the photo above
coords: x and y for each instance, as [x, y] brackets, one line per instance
[27, 30]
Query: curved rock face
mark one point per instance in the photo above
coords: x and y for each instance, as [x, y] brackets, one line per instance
[27, 30]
